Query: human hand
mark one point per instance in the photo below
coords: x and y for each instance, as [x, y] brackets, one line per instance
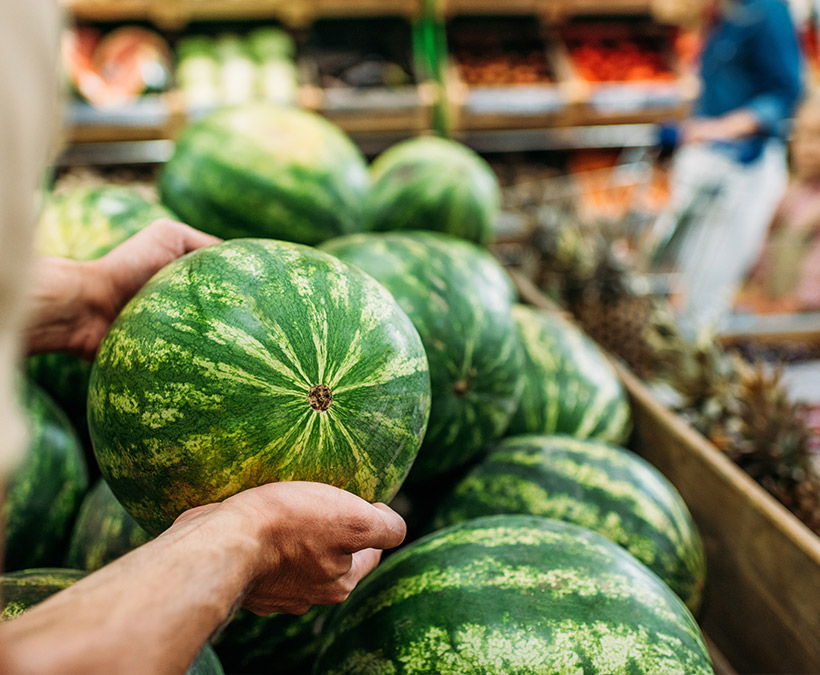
[74, 303]
[314, 542]
[733, 126]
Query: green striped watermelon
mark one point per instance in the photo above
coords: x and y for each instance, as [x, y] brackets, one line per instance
[512, 594]
[280, 644]
[85, 223]
[253, 361]
[263, 171]
[459, 299]
[431, 183]
[595, 485]
[104, 531]
[44, 493]
[570, 387]
[22, 590]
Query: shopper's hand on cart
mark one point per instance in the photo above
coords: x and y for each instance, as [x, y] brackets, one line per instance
[73, 303]
[311, 543]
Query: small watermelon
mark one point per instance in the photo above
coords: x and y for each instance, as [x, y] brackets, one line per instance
[254, 361]
[84, 223]
[263, 171]
[459, 298]
[104, 531]
[45, 492]
[431, 183]
[570, 387]
[21, 590]
[513, 594]
[595, 485]
[280, 644]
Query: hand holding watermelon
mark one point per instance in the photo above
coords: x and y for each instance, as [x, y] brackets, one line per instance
[75, 302]
[312, 542]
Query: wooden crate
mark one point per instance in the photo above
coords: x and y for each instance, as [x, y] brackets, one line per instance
[762, 608]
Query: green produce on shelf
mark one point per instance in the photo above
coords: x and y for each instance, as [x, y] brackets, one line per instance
[430, 183]
[264, 171]
[513, 594]
[253, 361]
[570, 387]
[84, 223]
[103, 532]
[45, 491]
[24, 589]
[595, 485]
[459, 299]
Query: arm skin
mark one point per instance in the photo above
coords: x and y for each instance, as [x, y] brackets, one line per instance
[277, 548]
[281, 547]
[73, 303]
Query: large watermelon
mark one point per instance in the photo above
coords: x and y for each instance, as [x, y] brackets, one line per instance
[513, 594]
[254, 361]
[263, 171]
[44, 493]
[459, 299]
[595, 485]
[85, 223]
[279, 644]
[22, 590]
[104, 531]
[431, 183]
[569, 385]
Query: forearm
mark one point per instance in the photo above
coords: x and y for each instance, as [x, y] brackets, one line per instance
[149, 612]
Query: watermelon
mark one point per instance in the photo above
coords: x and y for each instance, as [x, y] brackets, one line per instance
[459, 299]
[22, 590]
[595, 485]
[84, 223]
[279, 644]
[44, 493]
[570, 387]
[255, 361]
[263, 171]
[512, 594]
[104, 531]
[431, 183]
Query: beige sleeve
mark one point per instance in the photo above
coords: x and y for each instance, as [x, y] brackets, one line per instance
[29, 82]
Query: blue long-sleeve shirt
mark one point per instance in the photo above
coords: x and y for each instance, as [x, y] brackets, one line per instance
[752, 61]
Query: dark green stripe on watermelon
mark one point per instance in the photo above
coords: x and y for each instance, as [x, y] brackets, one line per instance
[20, 591]
[459, 299]
[595, 485]
[263, 171]
[44, 493]
[280, 644]
[253, 361]
[570, 387]
[104, 531]
[513, 594]
[436, 184]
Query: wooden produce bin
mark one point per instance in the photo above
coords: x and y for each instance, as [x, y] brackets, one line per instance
[492, 58]
[762, 605]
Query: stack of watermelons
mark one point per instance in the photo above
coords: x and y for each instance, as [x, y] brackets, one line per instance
[392, 356]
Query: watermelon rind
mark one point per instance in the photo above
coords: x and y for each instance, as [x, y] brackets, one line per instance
[570, 386]
[595, 485]
[431, 183]
[45, 491]
[513, 594]
[459, 298]
[254, 361]
[260, 170]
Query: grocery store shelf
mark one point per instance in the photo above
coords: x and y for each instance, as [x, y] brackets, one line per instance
[113, 154]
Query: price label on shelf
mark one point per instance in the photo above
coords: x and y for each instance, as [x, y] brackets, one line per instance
[519, 100]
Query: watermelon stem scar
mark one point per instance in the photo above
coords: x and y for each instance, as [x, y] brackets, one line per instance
[320, 397]
[462, 387]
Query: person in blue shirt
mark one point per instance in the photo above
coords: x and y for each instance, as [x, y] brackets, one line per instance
[732, 164]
